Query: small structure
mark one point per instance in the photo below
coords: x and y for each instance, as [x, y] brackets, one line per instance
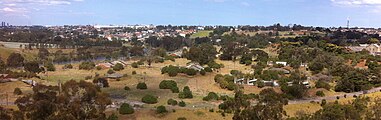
[252, 81]
[114, 76]
[195, 66]
[239, 81]
[30, 82]
[281, 70]
[271, 83]
[105, 65]
[282, 63]
[307, 84]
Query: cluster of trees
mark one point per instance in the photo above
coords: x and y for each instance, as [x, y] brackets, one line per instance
[74, 100]
[225, 81]
[169, 84]
[202, 54]
[269, 106]
[186, 93]
[174, 70]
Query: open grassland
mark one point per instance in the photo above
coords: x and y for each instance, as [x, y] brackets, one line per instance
[204, 33]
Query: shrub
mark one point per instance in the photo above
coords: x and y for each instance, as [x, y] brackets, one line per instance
[17, 91]
[127, 88]
[210, 96]
[102, 81]
[260, 84]
[87, 65]
[186, 93]
[126, 108]
[113, 116]
[323, 102]
[278, 65]
[169, 84]
[141, 86]
[161, 109]
[202, 72]
[320, 93]
[140, 62]
[208, 69]
[110, 71]
[191, 72]
[181, 118]
[134, 65]
[133, 73]
[149, 99]
[211, 110]
[322, 84]
[118, 67]
[88, 77]
[182, 104]
[50, 67]
[68, 66]
[172, 102]
[98, 68]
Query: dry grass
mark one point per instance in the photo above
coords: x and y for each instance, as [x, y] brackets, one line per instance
[196, 114]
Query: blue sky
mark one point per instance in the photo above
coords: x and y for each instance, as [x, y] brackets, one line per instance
[327, 13]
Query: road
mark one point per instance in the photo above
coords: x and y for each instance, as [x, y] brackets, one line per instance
[319, 99]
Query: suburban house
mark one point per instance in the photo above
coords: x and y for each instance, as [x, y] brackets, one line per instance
[30, 82]
[282, 63]
[271, 83]
[374, 49]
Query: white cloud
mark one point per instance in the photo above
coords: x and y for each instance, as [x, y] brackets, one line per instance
[7, 9]
[357, 2]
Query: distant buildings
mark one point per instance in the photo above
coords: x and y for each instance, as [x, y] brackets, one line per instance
[374, 49]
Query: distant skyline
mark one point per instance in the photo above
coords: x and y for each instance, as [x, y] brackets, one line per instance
[325, 13]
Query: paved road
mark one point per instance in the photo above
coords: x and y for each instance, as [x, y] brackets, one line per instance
[319, 99]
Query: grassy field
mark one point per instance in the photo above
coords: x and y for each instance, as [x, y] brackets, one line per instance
[204, 33]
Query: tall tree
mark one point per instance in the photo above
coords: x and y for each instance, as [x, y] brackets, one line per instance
[15, 60]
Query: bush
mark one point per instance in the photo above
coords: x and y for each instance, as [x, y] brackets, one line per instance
[172, 102]
[118, 67]
[169, 84]
[260, 84]
[127, 88]
[133, 73]
[141, 86]
[208, 69]
[102, 81]
[202, 72]
[181, 118]
[211, 110]
[87, 66]
[88, 77]
[323, 102]
[186, 93]
[320, 93]
[161, 109]
[134, 65]
[278, 65]
[113, 116]
[210, 96]
[322, 84]
[149, 99]
[98, 68]
[182, 104]
[126, 108]
[191, 72]
[68, 66]
[17, 91]
[110, 71]
[50, 67]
